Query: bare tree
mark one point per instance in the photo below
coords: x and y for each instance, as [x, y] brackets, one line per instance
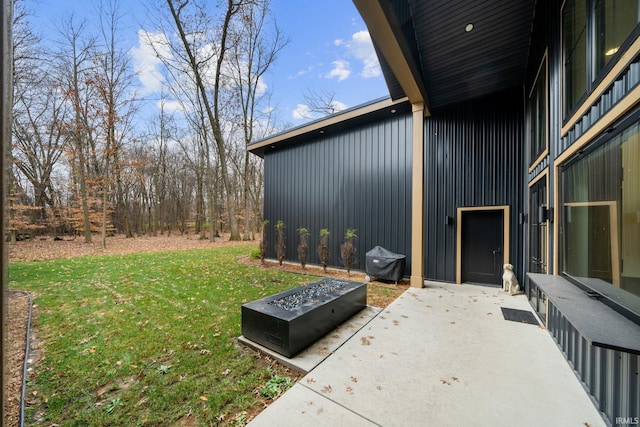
[113, 81]
[37, 142]
[162, 135]
[258, 42]
[38, 139]
[321, 102]
[74, 61]
[198, 66]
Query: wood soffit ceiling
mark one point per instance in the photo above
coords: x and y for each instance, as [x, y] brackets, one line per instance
[454, 65]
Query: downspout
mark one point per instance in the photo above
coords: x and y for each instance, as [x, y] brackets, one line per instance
[417, 196]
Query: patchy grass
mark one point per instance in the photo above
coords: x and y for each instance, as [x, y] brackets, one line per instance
[147, 339]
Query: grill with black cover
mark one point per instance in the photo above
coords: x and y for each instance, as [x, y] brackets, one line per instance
[383, 264]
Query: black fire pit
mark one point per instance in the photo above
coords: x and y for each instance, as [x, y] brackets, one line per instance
[292, 320]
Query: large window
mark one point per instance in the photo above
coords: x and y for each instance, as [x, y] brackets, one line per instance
[574, 45]
[593, 32]
[614, 21]
[601, 213]
[538, 115]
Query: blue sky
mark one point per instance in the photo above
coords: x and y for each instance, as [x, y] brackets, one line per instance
[329, 51]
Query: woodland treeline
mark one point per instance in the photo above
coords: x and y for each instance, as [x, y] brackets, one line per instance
[91, 160]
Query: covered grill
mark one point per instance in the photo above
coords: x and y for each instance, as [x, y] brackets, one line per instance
[383, 264]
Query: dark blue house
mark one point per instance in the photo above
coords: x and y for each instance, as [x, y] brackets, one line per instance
[511, 135]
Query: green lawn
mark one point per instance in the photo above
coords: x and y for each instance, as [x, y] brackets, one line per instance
[146, 339]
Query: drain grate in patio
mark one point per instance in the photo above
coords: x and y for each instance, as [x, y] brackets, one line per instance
[521, 316]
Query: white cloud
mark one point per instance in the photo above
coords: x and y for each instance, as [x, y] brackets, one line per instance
[261, 87]
[361, 47]
[301, 112]
[338, 106]
[340, 70]
[170, 105]
[146, 61]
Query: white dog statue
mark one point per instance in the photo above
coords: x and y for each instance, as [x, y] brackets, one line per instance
[509, 281]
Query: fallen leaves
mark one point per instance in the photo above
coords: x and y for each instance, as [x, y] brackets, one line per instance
[447, 382]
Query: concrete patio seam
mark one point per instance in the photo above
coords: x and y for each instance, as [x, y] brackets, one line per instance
[340, 405]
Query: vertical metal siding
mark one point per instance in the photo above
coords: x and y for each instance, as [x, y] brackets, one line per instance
[359, 178]
[473, 157]
[612, 377]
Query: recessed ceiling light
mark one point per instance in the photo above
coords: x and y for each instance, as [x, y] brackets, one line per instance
[321, 131]
[393, 111]
[469, 27]
[611, 51]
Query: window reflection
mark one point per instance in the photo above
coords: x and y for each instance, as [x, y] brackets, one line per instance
[574, 44]
[601, 213]
[614, 20]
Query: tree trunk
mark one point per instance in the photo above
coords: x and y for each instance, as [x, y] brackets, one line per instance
[213, 115]
[83, 191]
[247, 202]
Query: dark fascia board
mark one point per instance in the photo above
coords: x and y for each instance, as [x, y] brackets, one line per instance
[327, 125]
[387, 36]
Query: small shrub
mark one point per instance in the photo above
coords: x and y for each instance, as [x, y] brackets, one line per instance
[348, 249]
[323, 248]
[263, 242]
[112, 405]
[255, 253]
[275, 386]
[280, 245]
[303, 246]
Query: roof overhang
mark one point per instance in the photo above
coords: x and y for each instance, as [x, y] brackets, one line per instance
[332, 124]
[443, 52]
[394, 49]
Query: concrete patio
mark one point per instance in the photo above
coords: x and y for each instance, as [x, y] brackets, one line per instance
[443, 355]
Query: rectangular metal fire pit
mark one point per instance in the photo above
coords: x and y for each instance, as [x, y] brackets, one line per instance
[292, 320]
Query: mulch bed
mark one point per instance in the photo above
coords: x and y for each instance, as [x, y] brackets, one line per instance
[17, 318]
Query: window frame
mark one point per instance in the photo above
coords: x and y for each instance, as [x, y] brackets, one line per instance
[567, 111]
[543, 71]
[571, 114]
[611, 295]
